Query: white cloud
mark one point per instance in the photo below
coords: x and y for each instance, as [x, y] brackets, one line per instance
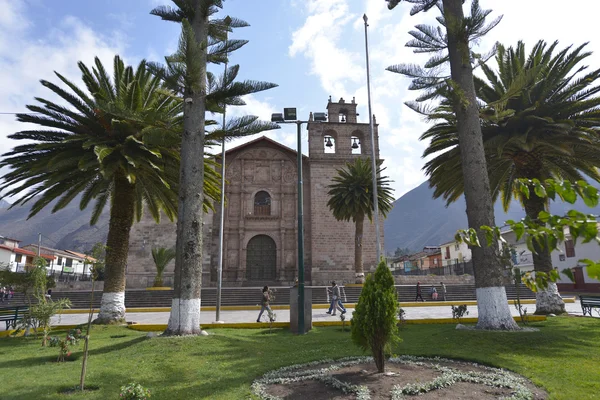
[24, 61]
[332, 37]
[320, 40]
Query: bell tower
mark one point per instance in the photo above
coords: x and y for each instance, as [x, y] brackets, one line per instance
[332, 144]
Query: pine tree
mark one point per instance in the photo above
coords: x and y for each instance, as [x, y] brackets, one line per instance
[374, 323]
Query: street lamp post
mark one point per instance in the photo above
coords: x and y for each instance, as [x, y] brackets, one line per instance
[289, 117]
[373, 154]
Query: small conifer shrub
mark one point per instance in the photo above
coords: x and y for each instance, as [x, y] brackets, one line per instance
[374, 322]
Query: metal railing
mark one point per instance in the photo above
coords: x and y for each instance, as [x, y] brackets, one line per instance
[458, 268]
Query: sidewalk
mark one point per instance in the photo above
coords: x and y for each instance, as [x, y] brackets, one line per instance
[207, 317]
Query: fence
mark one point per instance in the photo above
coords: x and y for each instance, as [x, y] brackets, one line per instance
[69, 276]
[458, 268]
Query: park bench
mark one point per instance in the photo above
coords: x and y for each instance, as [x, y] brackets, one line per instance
[589, 302]
[10, 315]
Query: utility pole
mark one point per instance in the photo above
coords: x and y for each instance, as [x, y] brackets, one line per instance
[39, 243]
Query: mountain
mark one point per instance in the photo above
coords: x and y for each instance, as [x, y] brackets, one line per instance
[68, 228]
[418, 220]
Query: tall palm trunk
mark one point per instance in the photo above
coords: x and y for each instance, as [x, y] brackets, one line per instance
[185, 307]
[492, 303]
[547, 301]
[112, 308]
[358, 249]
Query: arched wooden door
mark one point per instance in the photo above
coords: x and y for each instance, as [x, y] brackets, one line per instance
[261, 259]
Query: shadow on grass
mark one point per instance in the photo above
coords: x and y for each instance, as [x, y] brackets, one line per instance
[77, 353]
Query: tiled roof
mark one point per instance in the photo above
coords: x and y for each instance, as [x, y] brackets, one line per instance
[18, 250]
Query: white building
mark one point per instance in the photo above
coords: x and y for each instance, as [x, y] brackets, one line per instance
[454, 253]
[64, 261]
[16, 259]
[569, 257]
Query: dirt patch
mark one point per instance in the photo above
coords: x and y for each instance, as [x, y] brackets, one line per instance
[455, 380]
[467, 391]
[312, 390]
[378, 384]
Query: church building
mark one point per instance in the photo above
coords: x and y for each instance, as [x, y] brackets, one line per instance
[261, 212]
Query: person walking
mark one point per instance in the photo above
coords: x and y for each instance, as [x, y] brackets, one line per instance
[443, 291]
[336, 300]
[419, 295]
[266, 298]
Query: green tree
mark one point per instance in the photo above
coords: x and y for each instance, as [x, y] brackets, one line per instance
[202, 40]
[538, 116]
[450, 44]
[162, 257]
[374, 323]
[118, 144]
[402, 252]
[351, 198]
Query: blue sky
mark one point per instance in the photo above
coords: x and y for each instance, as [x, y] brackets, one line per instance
[310, 48]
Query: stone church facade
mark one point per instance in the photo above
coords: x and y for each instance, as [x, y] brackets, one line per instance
[261, 213]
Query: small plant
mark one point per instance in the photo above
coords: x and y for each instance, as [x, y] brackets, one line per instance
[459, 311]
[134, 391]
[162, 257]
[517, 278]
[374, 324]
[65, 344]
[401, 318]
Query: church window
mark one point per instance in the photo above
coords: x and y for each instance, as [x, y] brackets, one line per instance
[262, 203]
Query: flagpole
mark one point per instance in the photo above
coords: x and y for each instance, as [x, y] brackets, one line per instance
[373, 155]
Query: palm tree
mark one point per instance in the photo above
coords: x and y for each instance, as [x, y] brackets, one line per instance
[162, 257]
[451, 43]
[539, 118]
[202, 41]
[117, 143]
[351, 198]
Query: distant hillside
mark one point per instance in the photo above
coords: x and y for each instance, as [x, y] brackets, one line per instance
[418, 220]
[68, 228]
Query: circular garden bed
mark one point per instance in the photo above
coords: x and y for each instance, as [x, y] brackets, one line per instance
[406, 377]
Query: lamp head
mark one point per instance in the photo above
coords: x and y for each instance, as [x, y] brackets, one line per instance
[277, 117]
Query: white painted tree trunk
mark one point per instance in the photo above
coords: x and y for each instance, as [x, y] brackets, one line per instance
[185, 311]
[549, 301]
[112, 308]
[493, 310]
[185, 317]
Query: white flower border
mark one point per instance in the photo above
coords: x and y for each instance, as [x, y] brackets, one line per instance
[493, 377]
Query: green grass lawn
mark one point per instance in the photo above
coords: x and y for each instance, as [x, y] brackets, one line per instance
[563, 357]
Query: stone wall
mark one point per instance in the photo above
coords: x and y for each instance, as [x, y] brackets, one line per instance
[333, 241]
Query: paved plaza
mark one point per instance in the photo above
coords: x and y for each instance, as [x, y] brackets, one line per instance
[435, 312]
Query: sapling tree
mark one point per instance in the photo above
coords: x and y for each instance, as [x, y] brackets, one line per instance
[547, 230]
[374, 322]
[97, 265]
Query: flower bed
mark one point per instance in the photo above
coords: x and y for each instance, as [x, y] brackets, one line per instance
[449, 373]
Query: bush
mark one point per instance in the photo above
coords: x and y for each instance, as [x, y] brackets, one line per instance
[134, 391]
[374, 323]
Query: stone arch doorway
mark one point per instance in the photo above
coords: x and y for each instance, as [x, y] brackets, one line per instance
[261, 259]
